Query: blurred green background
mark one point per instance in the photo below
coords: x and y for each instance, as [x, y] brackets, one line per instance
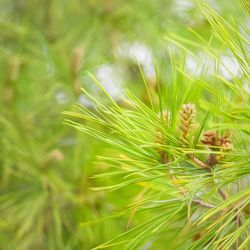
[47, 48]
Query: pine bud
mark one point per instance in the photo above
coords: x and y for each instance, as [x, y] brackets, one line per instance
[212, 140]
[187, 115]
[209, 139]
[216, 143]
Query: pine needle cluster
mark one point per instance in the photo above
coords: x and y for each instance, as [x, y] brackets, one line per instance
[182, 171]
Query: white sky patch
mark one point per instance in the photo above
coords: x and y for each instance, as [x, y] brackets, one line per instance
[198, 65]
[183, 10]
[245, 27]
[180, 7]
[228, 66]
[83, 100]
[183, 6]
[61, 97]
[138, 51]
[246, 87]
[215, 5]
[110, 77]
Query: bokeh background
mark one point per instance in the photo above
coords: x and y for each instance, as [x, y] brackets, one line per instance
[47, 48]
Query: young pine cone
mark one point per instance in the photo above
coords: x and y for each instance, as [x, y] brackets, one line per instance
[216, 143]
[210, 139]
[225, 143]
[213, 140]
[187, 115]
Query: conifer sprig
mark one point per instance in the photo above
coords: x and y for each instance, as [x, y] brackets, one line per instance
[186, 174]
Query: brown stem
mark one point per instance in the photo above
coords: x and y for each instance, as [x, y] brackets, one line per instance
[75, 67]
[199, 162]
[222, 193]
[165, 160]
[203, 203]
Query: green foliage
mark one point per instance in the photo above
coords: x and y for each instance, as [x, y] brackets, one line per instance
[191, 191]
[165, 193]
